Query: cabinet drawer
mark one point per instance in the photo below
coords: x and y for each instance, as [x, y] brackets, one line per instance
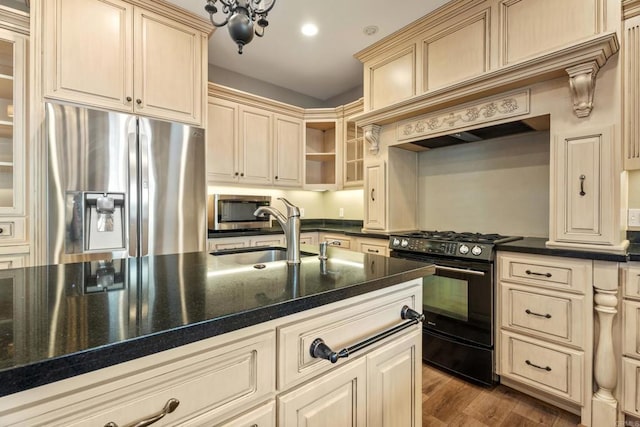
[13, 261]
[338, 241]
[631, 384]
[632, 280]
[551, 272]
[374, 249]
[339, 328]
[227, 243]
[631, 319]
[262, 416]
[551, 315]
[268, 240]
[13, 230]
[547, 367]
[210, 383]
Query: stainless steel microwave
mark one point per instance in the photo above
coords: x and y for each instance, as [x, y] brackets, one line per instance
[235, 212]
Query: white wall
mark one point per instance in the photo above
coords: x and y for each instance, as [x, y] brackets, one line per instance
[497, 186]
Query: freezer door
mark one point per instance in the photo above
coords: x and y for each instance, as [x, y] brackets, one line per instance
[172, 188]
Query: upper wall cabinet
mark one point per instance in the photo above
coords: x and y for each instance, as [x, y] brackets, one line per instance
[469, 49]
[353, 173]
[110, 54]
[631, 93]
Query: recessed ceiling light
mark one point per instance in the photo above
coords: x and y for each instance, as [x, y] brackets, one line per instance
[370, 30]
[309, 30]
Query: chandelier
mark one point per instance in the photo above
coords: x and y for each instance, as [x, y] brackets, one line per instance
[240, 16]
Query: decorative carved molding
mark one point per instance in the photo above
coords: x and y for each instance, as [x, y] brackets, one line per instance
[631, 93]
[547, 66]
[582, 82]
[372, 136]
[630, 8]
[14, 20]
[464, 117]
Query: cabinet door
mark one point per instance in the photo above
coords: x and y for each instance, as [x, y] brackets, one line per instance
[584, 185]
[287, 145]
[168, 69]
[222, 141]
[394, 389]
[335, 399]
[374, 204]
[255, 146]
[88, 52]
[13, 59]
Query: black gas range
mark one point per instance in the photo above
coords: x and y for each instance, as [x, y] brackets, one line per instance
[458, 300]
[473, 246]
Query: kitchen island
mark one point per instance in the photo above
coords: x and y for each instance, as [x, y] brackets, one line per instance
[85, 335]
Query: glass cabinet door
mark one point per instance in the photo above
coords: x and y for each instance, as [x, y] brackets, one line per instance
[354, 154]
[12, 118]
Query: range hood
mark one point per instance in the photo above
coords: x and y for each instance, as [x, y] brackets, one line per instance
[484, 133]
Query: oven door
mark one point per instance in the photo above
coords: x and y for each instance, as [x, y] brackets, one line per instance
[458, 300]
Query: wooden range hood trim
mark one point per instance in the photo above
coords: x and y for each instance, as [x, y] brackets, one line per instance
[595, 50]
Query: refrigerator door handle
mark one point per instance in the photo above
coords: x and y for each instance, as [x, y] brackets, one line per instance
[143, 187]
[132, 140]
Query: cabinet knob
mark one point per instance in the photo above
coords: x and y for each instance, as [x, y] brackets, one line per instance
[1, 230]
[236, 174]
[129, 99]
[242, 174]
[276, 176]
[139, 101]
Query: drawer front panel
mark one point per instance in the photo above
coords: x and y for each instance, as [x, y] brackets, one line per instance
[214, 383]
[547, 367]
[550, 272]
[631, 381]
[632, 281]
[374, 249]
[339, 329]
[552, 315]
[631, 318]
[13, 230]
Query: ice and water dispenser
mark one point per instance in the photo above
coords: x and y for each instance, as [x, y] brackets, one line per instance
[95, 222]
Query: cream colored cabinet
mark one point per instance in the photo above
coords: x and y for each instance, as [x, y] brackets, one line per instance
[373, 246]
[309, 238]
[287, 151]
[111, 54]
[133, 391]
[584, 205]
[268, 240]
[338, 398]
[222, 141]
[375, 217]
[322, 154]
[253, 146]
[337, 240]
[228, 243]
[631, 339]
[631, 51]
[262, 416]
[353, 173]
[545, 320]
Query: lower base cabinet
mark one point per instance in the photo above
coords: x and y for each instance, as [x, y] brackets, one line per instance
[240, 379]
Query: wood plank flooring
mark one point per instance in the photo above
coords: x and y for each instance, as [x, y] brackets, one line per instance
[450, 401]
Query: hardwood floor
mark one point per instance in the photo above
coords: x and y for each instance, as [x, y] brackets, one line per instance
[450, 401]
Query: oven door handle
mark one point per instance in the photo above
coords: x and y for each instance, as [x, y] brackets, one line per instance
[460, 270]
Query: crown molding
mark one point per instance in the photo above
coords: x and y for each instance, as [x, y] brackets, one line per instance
[630, 8]
[234, 95]
[594, 50]
[176, 13]
[14, 20]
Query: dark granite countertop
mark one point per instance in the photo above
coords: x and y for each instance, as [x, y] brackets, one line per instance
[56, 322]
[537, 245]
[347, 227]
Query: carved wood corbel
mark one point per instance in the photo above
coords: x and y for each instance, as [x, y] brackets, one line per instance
[582, 82]
[372, 136]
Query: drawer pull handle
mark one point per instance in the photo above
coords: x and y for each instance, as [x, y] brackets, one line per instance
[546, 368]
[582, 178]
[169, 407]
[546, 316]
[373, 251]
[533, 273]
[319, 350]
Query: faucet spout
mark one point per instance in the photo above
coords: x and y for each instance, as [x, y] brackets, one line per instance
[290, 225]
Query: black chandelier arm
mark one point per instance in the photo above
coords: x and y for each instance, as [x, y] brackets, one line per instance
[262, 11]
[218, 24]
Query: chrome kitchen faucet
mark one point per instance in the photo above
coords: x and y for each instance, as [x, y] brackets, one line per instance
[291, 226]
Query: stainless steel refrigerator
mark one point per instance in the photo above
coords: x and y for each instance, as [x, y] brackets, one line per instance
[121, 185]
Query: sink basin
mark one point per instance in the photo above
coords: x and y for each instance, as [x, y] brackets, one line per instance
[250, 256]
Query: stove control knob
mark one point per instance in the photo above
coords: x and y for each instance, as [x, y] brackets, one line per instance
[464, 249]
[404, 243]
[476, 250]
[395, 242]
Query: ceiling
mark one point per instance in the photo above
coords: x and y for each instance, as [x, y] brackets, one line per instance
[323, 66]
